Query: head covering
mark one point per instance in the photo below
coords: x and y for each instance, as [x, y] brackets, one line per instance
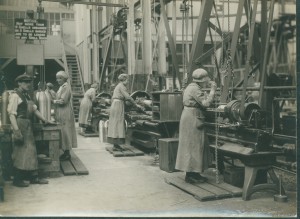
[50, 85]
[95, 85]
[123, 77]
[200, 75]
[62, 74]
[23, 77]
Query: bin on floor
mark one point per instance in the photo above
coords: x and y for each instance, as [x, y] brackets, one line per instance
[167, 153]
[103, 126]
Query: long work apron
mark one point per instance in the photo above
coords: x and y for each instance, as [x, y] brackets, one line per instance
[25, 155]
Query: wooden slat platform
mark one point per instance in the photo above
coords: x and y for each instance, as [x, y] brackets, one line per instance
[78, 165]
[207, 191]
[128, 150]
[73, 166]
[88, 134]
[67, 168]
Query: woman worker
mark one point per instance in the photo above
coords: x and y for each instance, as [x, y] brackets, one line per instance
[193, 155]
[64, 115]
[116, 125]
[21, 110]
[86, 106]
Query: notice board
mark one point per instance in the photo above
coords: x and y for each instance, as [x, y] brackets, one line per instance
[30, 29]
[30, 54]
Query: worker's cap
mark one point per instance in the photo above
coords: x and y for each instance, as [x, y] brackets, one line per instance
[123, 77]
[50, 85]
[200, 75]
[95, 85]
[62, 74]
[23, 77]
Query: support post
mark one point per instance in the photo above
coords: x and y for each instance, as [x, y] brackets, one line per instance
[131, 38]
[147, 37]
[171, 43]
[94, 22]
[235, 37]
[162, 63]
[200, 35]
[262, 94]
[249, 54]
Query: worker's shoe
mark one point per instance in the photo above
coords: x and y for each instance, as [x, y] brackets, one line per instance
[198, 177]
[117, 148]
[191, 177]
[38, 181]
[20, 183]
[65, 156]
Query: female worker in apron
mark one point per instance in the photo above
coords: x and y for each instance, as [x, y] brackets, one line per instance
[193, 155]
[116, 124]
[64, 115]
[86, 105]
[21, 110]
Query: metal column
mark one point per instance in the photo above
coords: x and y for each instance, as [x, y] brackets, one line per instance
[94, 22]
[131, 38]
[147, 37]
[171, 44]
[200, 35]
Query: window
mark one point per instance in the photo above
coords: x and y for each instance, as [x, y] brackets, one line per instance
[3, 14]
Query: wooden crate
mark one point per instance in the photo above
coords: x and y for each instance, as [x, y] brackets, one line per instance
[167, 153]
[234, 176]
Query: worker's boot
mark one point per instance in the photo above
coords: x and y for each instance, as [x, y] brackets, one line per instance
[198, 177]
[189, 178]
[18, 179]
[117, 148]
[66, 156]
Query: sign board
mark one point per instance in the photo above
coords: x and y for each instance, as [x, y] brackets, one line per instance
[30, 54]
[30, 29]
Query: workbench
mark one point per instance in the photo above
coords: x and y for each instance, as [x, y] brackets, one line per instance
[253, 162]
[48, 140]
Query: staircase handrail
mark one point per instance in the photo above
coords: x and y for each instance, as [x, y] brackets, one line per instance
[77, 62]
[64, 58]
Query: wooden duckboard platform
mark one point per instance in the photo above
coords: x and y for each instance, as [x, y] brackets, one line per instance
[88, 134]
[207, 191]
[128, 150]
[73, 166]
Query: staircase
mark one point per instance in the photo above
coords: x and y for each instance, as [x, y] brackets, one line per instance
[76, 82]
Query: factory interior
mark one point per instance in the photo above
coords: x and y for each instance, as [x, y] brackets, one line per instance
[148, 108]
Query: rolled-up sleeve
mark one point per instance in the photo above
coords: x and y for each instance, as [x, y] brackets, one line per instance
[126, 95]
[13, 101]
[201, 98]
[64, 94]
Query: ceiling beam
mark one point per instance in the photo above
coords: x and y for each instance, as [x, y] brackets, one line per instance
[83, 2]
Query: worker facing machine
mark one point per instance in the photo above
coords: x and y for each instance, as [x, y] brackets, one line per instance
[21, 110]
[193, 155]
[64, 115]
[116, 126]
[85, 109]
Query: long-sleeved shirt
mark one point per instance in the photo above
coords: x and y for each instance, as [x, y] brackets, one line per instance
[193, 96]
[121, 93]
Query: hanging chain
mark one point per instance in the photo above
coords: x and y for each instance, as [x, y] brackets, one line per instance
[216, 114]
[228, 21]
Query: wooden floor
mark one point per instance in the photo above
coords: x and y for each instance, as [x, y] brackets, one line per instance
[128, 150]
[74, 166]
[207, 191]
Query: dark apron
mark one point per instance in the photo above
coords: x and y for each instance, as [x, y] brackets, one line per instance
[24, 155]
